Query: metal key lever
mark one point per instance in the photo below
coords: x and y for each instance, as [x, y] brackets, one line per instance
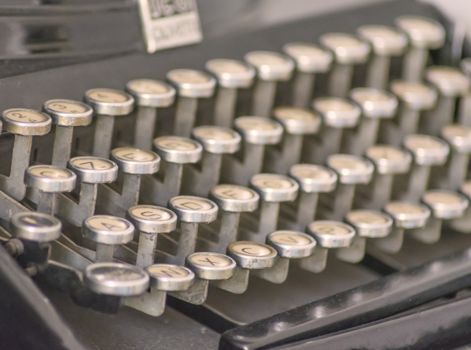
[66, 115]
[463, 223]
[133, 164]
[406, 216]
[298, 124]
[444, 206]
[231, 75]
[191, 85]
[216, 142]
[107, 104]
[310, 60]
[176, 152]
[348, 51]
[328, 235]
[91, 171]
[164, 278]
[272, 68]
[424, 34]
[23, 124]
[386, 42]
[256, 132]
[150, 95]
[369, 225]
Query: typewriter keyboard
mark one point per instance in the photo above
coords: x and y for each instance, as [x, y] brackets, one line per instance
[246, 187]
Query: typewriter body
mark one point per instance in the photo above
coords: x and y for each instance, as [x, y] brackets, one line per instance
[236, 175]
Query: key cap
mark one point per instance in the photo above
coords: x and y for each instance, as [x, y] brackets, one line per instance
[116, 279]
[427, 151]
[107, 232]
[424, 34]
[444, 206]
[273, 190]
[348, 51]
[35, 227]
[368, 224]
[310, 60]
[376, 105]
[150, 95]
[406, 216]
[191, 85]
[463, 223]
[231, 76]
[175, 152]
[271, 68]
[351, 171]
[150, 221]
[337, 114]
[386, 42]
[23, 124]
[49, 181]
[256, 132]
[312, 180]
[107, 104]
[66, 114]
[298, 124]
[216, 141]
[451, 84]
[389, 162]
[91, 171]
[414, 100]
[191, 212]
[133, 163]
[328, 235]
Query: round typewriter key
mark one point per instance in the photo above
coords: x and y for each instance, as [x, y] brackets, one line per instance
[26, 122]
[274, 187]
[216, 139]
[444, 204]
[36, 227]
[407, 215]
[211, 266]
[351, 169]
[234, 198]
[252, 255]
[297, 121]
[259, 130]
[94, 170]
[310, 60]
[348, 51]
[193, 209]
[116, 279]
[68, 112]
[170, 278]
[331, 234]
[313, 178]
[48, 178]
[427, 150]
[292, 244]
[181, 150]
[370, 223]
[424, 34]
[135, 161]
[385, 42]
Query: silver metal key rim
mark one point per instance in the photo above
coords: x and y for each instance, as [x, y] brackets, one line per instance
[148, 164]
[179, 150]
[232, 203]
[265, 186]
[248, 254]
[164, 223]
[106, 235]
[93, 175]
[48, 183]
[196, 209]
[301, 244]
[167, 282]
[211, 273]
[380, 227]
[25, 228]
[110, 108]
[162, 96]
[217, 139]
[24, 127]
[445, 204]
[331, 234]
[231, 73]
[192, 83]
[63, 116]
[304, 175]
[407, 215]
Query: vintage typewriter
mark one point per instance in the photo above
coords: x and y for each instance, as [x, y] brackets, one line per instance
[285, 182]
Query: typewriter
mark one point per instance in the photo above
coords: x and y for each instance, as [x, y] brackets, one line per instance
[234, 175]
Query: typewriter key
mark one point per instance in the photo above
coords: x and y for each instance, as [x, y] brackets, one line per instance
[107, 104]
[312, 180]
[376, 105]
[231, 76]
[150, 95]
[310, 60]
[94, 170]
[386, 42]
[107, 231]
[271, 68]
[348, 51]
[36, 227]
[135, 161]
[252, 255]
[168, 277]
[149, 221]
[424, 34]
[298, 124]
[331, 234]
[216, 142]
[427, 151]
[414, 99]
[116, 279]
[406, 216]
[23, 124]
[66, 114]
[190, 85]
[444, 205]
[211, 266]
[49, 180]
[256, 132]
[292, 244]
[451, 84]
